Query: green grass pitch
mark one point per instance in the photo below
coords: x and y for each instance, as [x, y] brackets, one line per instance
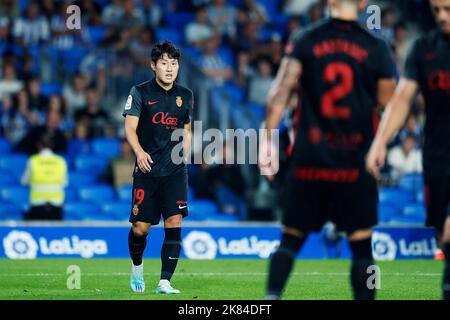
[213, 279]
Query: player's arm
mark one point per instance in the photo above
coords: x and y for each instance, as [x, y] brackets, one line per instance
[143, 159]
[187, 141]
[386, 89]
[280, 92]
[394, 117]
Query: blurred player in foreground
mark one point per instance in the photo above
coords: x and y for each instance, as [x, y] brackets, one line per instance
[427, 69]
[343, 74]
[153, 111]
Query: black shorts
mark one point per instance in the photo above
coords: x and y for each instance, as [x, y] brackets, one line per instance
[312, 199]
[437, 200]
[156, 196]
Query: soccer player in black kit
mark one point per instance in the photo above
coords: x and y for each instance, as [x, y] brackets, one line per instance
[343, 74]
[427, 69]
[153, 111]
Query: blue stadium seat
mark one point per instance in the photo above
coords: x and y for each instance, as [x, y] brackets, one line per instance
[71, 194]
[227, 55]
[81, 179]
[106, 148]
[386, 212]
[420, 197]
[79, 210]
[169, 34]
[125, 192]
[411, 182]
[415, 210]
[222, 217]
[234, 92]
[9, 211]
[5, 146]
[90, 164]
[178, 20]
[73, 57]
[20, 196]
[47, 89]
[14, 163]
[7, 180]
[396, 197]
[96, 34]
[118, 210]
[201, 209]
[98, 194]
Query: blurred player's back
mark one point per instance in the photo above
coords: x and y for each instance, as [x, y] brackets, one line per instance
[342, 63]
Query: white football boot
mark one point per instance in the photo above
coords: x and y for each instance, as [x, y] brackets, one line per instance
[164, 287]
[137, 278]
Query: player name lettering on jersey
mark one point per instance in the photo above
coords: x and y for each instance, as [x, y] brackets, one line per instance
[333, 46]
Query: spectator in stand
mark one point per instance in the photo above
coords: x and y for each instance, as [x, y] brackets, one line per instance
[261, 82]
[387, 24]
[57, 104]
[401, 44]
[4, 34]
[29, 144]
[15, 119]
[405, 159]
[213, 65]
[275, 50]
[256, 12]
[33, 28]
[152, 13]
[297, 8]
[112, 13]
[93, 115]
[249, 40]
[9, 85]
[223, 17]
[200, 30]
[37, 100]
[411, 128]
[75, 94]
[118, 171]
[9, 8]
[63, 38]
[244, 70]
[80, 143]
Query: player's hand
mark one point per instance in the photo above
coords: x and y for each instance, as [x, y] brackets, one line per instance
[268, 160]
[144, 161]
[375, 159]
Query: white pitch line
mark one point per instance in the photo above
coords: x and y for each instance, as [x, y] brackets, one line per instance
[215, 274]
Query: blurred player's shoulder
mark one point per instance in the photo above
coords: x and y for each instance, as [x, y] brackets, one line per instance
[144, 84]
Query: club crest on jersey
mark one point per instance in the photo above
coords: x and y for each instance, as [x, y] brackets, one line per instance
[135, 210]
[129, 101]
[179, 101]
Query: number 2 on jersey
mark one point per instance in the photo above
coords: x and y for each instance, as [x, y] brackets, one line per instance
[332, 72]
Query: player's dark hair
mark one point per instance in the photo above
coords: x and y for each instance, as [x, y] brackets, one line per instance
[165, 47]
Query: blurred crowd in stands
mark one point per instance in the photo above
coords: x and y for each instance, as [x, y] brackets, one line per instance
[72, 84]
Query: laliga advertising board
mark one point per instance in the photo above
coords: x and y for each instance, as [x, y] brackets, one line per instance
[31, 242]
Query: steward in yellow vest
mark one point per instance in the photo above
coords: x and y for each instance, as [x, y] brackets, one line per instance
[46, 174]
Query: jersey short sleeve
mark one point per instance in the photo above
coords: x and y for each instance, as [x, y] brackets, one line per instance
[296, 46]
[189, 109]
[134, 103]
[386, 65]
[412, 63]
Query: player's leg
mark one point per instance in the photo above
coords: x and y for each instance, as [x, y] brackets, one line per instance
[301, 214]
[137, 241]
[446, 249]
[356, 206]
[174, 194]
[282, 261]
[361, 247]
[170, 253]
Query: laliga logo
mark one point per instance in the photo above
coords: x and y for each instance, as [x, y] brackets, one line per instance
[199, 245]
[20, 245]
[384, 248]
